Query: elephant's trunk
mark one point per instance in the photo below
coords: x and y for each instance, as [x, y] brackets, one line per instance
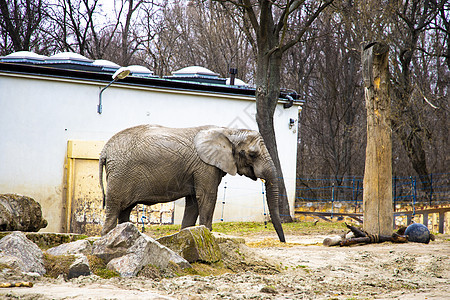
[272, 194]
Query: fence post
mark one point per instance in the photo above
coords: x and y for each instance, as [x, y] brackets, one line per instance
[394, 191]
[223, 200]
[353, 188]
[431, 188]
[413, 194]
[357, 190]
[332, 200]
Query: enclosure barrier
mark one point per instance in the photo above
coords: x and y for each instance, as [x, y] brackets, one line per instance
[424, 199]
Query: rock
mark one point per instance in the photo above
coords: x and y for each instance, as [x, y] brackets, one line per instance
[194, 244]
[80, 248]
[418, 233]
[116, 242]
[29, 257]
[10, 261]
[127, 251]
[77, 247]
[223, 238]
[80, 267]
[20, 213]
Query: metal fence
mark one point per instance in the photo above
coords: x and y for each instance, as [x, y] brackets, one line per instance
[432, 189]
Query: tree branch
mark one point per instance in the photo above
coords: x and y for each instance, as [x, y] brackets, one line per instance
[308, 23]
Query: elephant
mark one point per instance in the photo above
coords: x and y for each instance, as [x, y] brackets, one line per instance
[150, 164]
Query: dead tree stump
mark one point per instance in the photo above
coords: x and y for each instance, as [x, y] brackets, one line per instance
[377, 196]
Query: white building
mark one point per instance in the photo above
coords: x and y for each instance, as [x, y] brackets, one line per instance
[51, 133]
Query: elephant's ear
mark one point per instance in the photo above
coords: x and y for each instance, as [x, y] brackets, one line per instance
[214, 148]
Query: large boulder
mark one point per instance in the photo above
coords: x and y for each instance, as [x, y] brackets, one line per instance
[194, 244]
[20, 213]
[127, 251]
[79, 249]
[116, 243]
[22, 253]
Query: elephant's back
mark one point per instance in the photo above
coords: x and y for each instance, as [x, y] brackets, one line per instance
[150, 142]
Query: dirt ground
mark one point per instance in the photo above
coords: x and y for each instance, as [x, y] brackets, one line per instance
[301, 269]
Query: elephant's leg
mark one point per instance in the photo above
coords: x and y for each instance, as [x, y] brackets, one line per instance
[206, 186]
[190, 212]
[206, 206]
[124, 216]
[112, 213]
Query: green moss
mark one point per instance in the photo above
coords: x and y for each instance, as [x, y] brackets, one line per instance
[206, 243]
[46, 240]
[173, 270]
[106, 274]
[98, 267]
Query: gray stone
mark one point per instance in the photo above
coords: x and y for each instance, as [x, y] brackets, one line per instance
[116, 242]
[146, 251]
[142, 251]
[77, 247]
[80, 267]
[20, 213]
[80, 248]
[11, 262]
[30, 257]
[194, 244]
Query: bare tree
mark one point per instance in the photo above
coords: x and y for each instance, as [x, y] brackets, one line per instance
[269, 28]
[19, 24]
[414, 17]
[181, 33]
[82, 26]
[333, 116]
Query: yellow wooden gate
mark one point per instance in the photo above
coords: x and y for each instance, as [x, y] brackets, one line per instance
[84, 211]
[84, 200]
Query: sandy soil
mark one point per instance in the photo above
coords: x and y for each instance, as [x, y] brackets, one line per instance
[308, 271]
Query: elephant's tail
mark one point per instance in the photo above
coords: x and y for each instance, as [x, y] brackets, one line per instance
[101, 163]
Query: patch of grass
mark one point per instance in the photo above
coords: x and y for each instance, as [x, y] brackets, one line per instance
[157, 231]
[302, 267]
[244, 228]
[214, 269]
[202, 269]
[270, 242]
[57, 265]
[248, 228]
[98, 267]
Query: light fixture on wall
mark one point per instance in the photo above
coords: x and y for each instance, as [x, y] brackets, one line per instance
[291, 123]
[121, 73]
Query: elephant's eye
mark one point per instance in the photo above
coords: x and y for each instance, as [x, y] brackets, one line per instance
[253, 154]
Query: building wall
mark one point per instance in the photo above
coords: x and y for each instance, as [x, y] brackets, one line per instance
[38, 116]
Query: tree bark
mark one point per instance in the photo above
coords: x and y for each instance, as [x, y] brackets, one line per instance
[377, 197]
[267, 94]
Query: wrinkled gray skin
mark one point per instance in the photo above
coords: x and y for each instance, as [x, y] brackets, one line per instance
[151, 164]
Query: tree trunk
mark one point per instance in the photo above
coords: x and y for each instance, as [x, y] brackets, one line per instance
[377, 197]
[267, 93]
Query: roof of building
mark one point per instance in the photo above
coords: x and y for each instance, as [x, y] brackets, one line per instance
[75, 66]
